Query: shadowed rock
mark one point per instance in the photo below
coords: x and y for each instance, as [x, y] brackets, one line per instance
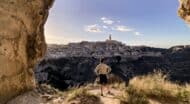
[73, 65]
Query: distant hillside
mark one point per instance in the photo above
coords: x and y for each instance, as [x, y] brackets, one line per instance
[73, 64]
[107, 48]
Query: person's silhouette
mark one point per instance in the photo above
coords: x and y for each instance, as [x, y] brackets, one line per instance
[102, 70]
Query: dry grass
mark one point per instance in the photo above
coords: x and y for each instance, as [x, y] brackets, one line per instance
[130, 97]
[81, 96]
[158, 87]
[135, 98]
[48, 89]
[141, 90]
[120, 86]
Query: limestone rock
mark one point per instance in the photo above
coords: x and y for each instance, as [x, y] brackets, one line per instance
[31, 97]
[22, 43]
[184, 10]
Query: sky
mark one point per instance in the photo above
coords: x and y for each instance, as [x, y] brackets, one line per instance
[134, 22]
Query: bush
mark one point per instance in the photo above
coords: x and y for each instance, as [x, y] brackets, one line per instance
[157, 86]
[131, 97]
[136, 98]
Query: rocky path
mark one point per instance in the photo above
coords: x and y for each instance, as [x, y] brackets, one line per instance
[50, 96]
[107, 98]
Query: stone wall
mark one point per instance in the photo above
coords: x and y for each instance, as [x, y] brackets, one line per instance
[22, 43]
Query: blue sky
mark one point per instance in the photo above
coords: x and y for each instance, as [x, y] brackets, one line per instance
[134, 22]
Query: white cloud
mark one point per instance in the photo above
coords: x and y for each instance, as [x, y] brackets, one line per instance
[137, 33]
[103, 18]
[93, 28]
[105, 27]
[107, 21]
[123, 28]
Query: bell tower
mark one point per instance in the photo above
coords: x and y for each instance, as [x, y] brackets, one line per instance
[110, 38]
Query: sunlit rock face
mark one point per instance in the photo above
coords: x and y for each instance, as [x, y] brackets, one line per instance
[184, 10]
[22, 43]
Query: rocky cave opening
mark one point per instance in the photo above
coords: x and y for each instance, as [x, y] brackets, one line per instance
[70, 71]
[21, 30]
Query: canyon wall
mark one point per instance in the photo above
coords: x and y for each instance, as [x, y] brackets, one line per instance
[74, 64]
[22, 43]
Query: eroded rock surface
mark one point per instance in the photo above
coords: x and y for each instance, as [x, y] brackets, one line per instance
[184, 10]
[22, 43]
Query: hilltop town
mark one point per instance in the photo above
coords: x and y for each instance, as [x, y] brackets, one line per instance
[107, 48]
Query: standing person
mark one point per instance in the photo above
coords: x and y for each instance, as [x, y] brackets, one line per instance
[102, 70]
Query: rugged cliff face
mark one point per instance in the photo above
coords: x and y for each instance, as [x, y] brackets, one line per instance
[22, 43]
[74, 64]
[184, 10]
